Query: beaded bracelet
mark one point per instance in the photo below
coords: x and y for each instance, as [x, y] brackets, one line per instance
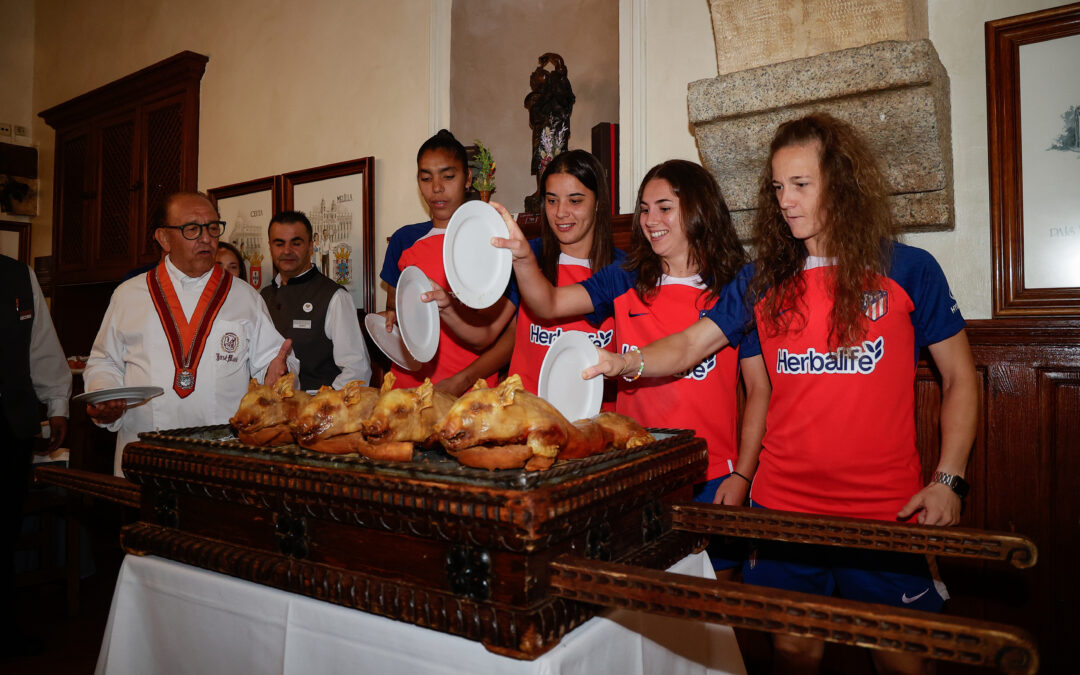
[641, 366]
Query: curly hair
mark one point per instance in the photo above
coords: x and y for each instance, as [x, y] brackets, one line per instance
[857, 224]
[715, 250]
[585, 167]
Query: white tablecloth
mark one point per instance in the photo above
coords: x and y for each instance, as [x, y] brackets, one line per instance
[171, 618]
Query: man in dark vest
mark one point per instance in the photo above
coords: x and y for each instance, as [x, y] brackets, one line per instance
[316, 313]
[32, 369]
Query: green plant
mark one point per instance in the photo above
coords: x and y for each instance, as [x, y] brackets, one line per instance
[483, 168]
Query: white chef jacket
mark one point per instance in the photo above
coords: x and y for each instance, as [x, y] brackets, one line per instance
[131, 350]
[343, 330]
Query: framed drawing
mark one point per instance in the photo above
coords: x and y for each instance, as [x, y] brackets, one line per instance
[15, 240]
[1033, 119]
[246, 209]
[338, 199]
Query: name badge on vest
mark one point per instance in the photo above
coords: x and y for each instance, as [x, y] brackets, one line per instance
[301, 323]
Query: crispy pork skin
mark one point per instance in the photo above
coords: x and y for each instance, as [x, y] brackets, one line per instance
[406, 415]
[264, 413]
[333, 412]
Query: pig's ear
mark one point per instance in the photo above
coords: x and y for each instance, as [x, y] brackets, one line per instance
[352, 391]
[253, 384]
[284, 386]
[424, 393]
[387, 383]
[506, 391]
[479, 384]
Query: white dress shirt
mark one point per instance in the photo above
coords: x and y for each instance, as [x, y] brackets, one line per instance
[131, 350]
[49, 369]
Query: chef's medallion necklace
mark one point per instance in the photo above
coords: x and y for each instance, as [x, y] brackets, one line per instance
[186, 338]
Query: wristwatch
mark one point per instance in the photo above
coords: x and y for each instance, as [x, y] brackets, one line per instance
[956, 483]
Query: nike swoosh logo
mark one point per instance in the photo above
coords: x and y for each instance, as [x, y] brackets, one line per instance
[907, 601]
[632, 315]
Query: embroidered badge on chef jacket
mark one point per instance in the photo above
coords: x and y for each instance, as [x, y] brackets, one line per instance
[301, 323]
[229, 342]
[308, 307]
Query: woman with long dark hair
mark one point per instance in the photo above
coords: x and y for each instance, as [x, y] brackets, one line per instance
[683, 254]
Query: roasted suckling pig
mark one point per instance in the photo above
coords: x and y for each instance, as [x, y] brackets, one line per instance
[265, 411]
[332, 420]
[402, 418]
[507, 427]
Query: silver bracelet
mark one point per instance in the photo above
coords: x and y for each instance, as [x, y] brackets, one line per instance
[641, 366]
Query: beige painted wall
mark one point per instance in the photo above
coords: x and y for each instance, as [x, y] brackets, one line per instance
[289, 85]
[663, 47]
[16, 62]
[269, 59]
[494, 48]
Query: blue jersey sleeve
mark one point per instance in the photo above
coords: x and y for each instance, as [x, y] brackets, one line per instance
[400, 241]
[513, 293]
[936, 316]
[604, 286]
[732, 313]
[750, 345]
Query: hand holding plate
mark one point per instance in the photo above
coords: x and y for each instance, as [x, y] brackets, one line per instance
[107, 412]
[516, 242]
[610, 364]
[438, 295]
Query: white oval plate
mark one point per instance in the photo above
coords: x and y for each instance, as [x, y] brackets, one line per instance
[560, 382]
[133, 395]
[390, 343]
[477, 271]
[417, 320]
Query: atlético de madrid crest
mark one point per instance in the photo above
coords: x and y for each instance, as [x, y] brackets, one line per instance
[875, 304]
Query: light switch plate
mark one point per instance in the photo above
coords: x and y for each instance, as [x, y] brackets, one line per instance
[21, 131]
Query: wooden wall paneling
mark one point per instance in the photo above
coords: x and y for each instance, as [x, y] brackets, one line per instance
[1024, 470]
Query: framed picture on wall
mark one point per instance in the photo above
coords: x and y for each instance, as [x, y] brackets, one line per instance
[338, 199]
[1033, 119]
[246, 209]
[15, 240]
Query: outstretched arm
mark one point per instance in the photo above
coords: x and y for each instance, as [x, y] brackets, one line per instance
[546, 300]
[668, 355]
[937, 504]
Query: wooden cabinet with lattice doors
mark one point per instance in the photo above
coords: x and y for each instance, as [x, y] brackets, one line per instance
[120, 150]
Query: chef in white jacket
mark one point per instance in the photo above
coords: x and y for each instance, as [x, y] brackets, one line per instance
[185, 327]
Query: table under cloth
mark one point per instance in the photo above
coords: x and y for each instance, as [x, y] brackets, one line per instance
[171, 618]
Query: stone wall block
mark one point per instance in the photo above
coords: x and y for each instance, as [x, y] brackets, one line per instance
[895, 93]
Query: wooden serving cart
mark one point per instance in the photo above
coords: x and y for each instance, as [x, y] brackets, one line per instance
[517, 559]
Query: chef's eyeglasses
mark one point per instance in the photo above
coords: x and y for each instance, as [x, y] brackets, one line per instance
[192, 230]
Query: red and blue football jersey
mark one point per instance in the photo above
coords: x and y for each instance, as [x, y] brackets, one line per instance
[703, 398]
[421, 245]
[840, 431]
[535, 335]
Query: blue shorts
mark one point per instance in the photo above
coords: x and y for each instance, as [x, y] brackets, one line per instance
[724, 552]
[883, 577]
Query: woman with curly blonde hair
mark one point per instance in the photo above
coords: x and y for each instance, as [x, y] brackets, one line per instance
[842, 310]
